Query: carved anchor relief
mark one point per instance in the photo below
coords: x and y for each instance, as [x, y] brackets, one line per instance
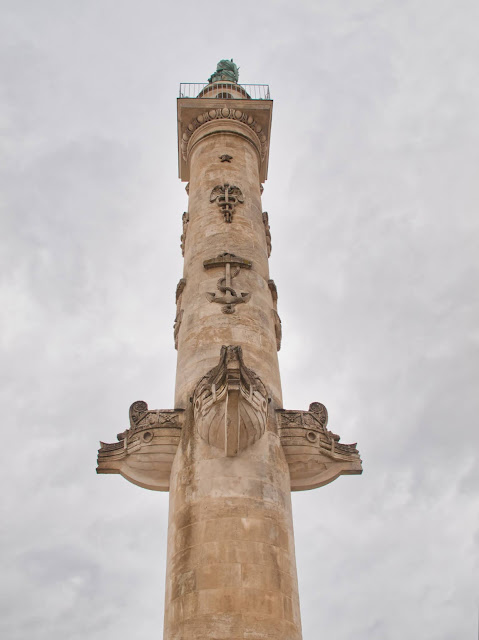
[230, 298]
[227, 197]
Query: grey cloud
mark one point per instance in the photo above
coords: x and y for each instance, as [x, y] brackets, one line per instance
[372, 197]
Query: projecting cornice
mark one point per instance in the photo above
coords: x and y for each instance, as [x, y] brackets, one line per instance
[224, 114]
[198, 117]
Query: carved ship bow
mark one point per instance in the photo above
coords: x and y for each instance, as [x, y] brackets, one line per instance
[144, 453]
[230, 404]
[315, 456]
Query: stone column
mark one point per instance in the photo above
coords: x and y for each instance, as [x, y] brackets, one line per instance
[229, 453]
[231, 569]
[204, 327]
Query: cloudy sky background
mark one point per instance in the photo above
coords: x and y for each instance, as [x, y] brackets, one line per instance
[372, 198]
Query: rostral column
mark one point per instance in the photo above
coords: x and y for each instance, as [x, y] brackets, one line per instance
[229, 453]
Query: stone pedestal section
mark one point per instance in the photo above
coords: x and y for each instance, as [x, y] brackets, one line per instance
[231, 569]
[229, 454]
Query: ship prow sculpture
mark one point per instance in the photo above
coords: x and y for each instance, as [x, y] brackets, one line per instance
[229, 453]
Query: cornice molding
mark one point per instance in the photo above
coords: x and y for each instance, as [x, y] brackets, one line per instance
[224, 113]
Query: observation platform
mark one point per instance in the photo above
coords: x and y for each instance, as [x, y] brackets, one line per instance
[209, 106]
[226, 90]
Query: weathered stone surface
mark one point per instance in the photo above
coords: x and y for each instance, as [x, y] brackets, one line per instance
[231, 563]
[231, 568]
[204, 328]
[249, 119]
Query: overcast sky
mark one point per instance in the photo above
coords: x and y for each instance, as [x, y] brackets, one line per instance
[372, 198]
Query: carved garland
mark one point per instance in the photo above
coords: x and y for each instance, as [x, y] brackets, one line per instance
[224, 114]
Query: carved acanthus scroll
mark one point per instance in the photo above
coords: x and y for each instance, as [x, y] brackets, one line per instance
[230, 297]
[227, 196]
[315, 456]
[230, 404]
[144, 453]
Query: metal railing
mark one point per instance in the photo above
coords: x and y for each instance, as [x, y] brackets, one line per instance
[225, 90]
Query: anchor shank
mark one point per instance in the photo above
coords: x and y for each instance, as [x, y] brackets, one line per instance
[228, 274]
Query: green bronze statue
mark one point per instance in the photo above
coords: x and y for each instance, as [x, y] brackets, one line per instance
[225, 70]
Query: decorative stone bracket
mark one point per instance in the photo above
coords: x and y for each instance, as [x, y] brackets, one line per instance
[315, 456]
[144, 453]
[230, 404]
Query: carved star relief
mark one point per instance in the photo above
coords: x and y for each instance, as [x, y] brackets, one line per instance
[226, 158]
